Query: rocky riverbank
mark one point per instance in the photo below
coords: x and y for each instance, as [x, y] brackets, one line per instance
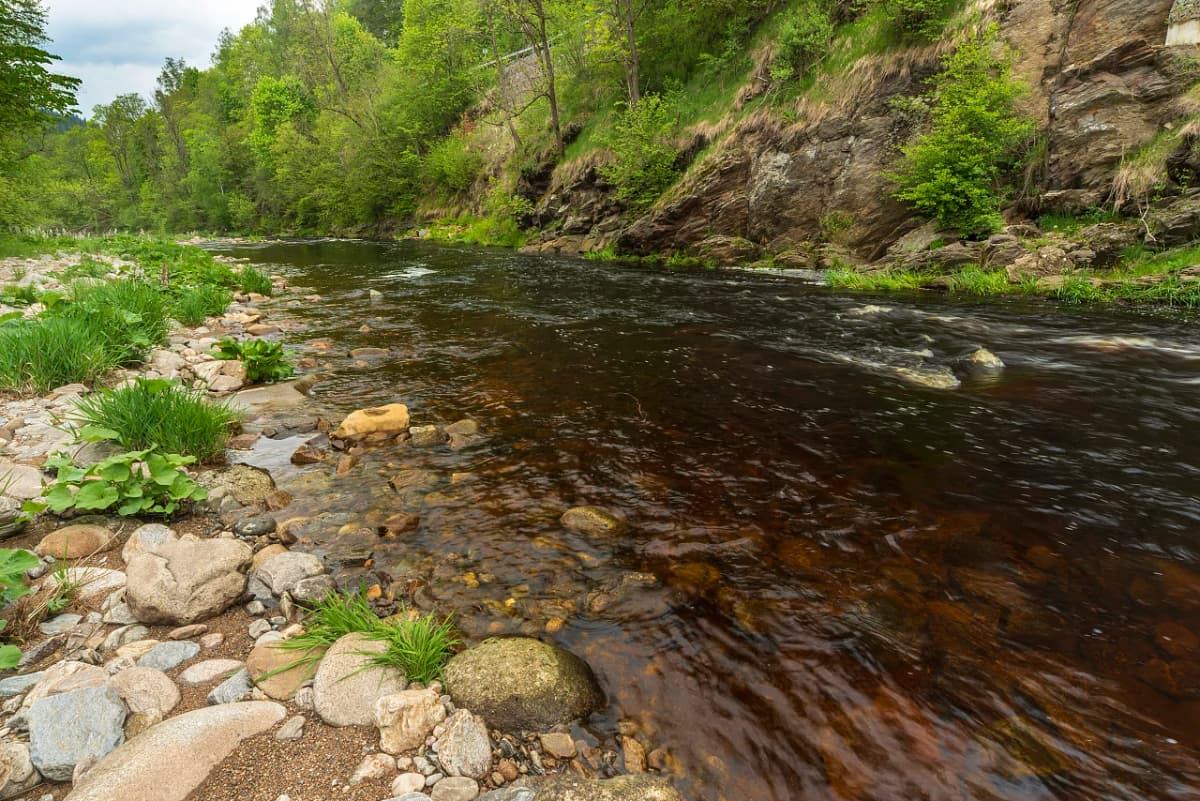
[167, 676]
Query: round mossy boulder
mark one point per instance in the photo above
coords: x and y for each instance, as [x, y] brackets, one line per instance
[522, 684]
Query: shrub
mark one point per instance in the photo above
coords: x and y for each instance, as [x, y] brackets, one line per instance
[265, 361]
[451, 166]
[953, 173]
[158, 413]
[38, 356]
[130, 315]
[13, 564]
[804, 37]
[251, 280]
[642, 140]
[920, 20]
[135, 483]
[194, 304]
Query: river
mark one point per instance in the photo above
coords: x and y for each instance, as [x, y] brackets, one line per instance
[842, 578]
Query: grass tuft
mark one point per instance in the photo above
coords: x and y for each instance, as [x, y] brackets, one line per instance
[38, 356]
[194, 304]
[251, 280]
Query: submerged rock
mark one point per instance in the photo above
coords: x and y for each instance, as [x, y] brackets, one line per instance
[390, 419]
[592, 520]
[980, 362]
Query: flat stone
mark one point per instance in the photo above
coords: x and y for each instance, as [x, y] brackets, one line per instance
[169, 655]
[16, 685]
[20, 481]
[65, 677]
[509, 794]
[73, 727]
[293, 729]
[286, 570]
[592, 520]
[347, 686]
[463, 747]
[455, 788]
[92, 582]
[209, 671]
[137, 649]
[406, 719]
[75, 542]
[245, 484]
[257, 526]
[232, 690]
[407, 783]
[266, 667]
[275, 396]
[311, 590]
[59, 624]
[170, 760]
[390, 419]
[558, 745]
[427, 436]
[187, 632]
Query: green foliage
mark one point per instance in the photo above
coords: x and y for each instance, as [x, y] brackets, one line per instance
[643, 146]
[451, 166]
[13, 564]
[194, 304]
[129, 315]
[954, 172]
[156, 413]
[251, 280]
[1079, 289]
[887, 280]
[978, 281]
[804, 37]
[419, 646]
[1072, 223]
[141, 482]
[37, 356]
[920, 20]
[265, 361]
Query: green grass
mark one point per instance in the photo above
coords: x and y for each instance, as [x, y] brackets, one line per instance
[419, 646]
[1072, 223]
[161, 413]
[37, 356]
[130, 315]
[978, 281]
[251, 280]
[192, 305]
[892, 280]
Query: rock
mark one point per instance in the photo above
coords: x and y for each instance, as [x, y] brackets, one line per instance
[728, 249]
[311, 590]
[622, 788]
[258, 628]
[347, 686]
[120, 637]
[210, 670]
[186, 582]
[455, 788]
[145, 539]
[187, 632]
[369, 353]
[66, 677]
[75, 542]
[407, 783]
[17, 685]
[221, 376]
[1047, 261]
[463, 747]
[169, 655]
[67, 728]
[413, 479]
[509, 794]
[268, 553]
[266, 665]
[411, 797]
[233, 689]
[210, 641]
[12, 516]
[59, 624]
[374, 767]
[146, 691]
[981, 361]
[170, 760]
[17, 773]
[390, 419]
[91, 582]
[137, 649]
[285, 571]
[427, 436]
[591, 520]
[634, 755]
[406, 719]
[523, 684]
[559, 745]
[20, 481]
[293, 729]
[245, 484]
[284, 395]
[257, 526]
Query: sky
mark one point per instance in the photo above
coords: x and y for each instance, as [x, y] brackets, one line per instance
[118, 46]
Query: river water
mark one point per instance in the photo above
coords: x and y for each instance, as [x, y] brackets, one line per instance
[843, 578]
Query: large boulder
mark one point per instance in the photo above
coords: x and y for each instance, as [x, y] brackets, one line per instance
[406, 719]
[518, 683]
[75, 542]
[170, 760]
[187, 581]
[145, 539]
[390, 419]
[347, 684]
[74, 727]
[622, 788]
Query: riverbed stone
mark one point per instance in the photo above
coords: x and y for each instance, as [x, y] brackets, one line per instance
[16, 685]
[245, 484]
[186, 582]
[389, 419]
[169, 655]
[209, 671]
[233, 689]
[69, 728]
[463, 747]
[455, 788]
[427, 436]
[170, 760]
[313, 589]
[347, 685]
[146, 691]
[17, 773]
[518, 683]
[145, 539]
[266, 665]
[406, 719]
[621, 788]
[283, 572]
[592, 520]
[75, 542]
[255, 526]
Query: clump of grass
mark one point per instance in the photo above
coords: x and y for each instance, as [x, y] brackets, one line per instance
[192, 305]
[978, 281]
[251, 280]
[129, 314]
[157, 412]
[1078, 290]
[38, 356]
[887, 280]
[418, 646]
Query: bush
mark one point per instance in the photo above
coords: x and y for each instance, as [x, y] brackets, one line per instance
[194, 304]
[38, 356]
[136, 483]
[953, 173]
[451, 166]
[130, 315]
[642, 140]
[804, 37]
[158, 413]
[920, 20]
[265, 361]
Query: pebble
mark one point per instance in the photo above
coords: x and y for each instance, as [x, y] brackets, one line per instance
[169, 655]
[257, 526]
[407, 783]
[233, 689]
[456, 788]
[373, 768]
[258, 628]
[433, 778]
[255, 608]
[187, 632]
[210, 641]
[209, 670]
[293, 729]
[558, 745]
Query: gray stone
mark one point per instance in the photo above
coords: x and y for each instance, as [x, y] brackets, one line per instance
[293, 729]
[427, 436]
[464, 748]
[314, 589]
[17, 773]
[282, 573]
[347, 686]
[412, 797]
[622, 788]
[16, 685]
[258, 628]
[12, 516]
[59, 624]
[67, 728]
[256, 526]
[455, 788]
[123, 636]
[210, 670]
[169, 655]
[509, 794]
[232, 690]
[187, 581]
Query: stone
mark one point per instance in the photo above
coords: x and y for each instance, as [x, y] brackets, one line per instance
[68, 728]
[509, 794]
[621, 788]
[413, 479]
[463, 747]
[245, 484]
[293, 729]
[559, 745]
[169, 655]
[283, 572]
[59, 624]
[256, 526]
[634, 755]
[1047, 261]
[120, 637]
[17, 685]
[137, 649]
[465, 428]
[65, 677]
[981, 361]
[209, 671]
[145, 539]
[258, 628]
[285, 395]
[20, 481]
[266, 554]
[266, 665]
[146, 691]
[187, 632]
[12, 516]
[427, 436]
[170, 760]
[347, 686]
[210, 641]
[374, 767]
[407, 783]
[233, 689]
[390, 419]
[592, 520]
[455, 788]
[75, 542]
[369, 353]
[91, 582]
[411, 797]
[522, 684]
[186, 582]
[119, 614]
[406, 719]
[17, 773]
[311, 590]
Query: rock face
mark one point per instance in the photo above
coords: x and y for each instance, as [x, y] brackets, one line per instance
[406, 719]
[73, 727]
[622, 788]
[347, 686]
[464, 748]
[523, 684]
[74, 542]
[390, 419]
[170, 760]
[186, 582]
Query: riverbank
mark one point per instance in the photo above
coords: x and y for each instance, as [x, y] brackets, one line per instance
[153, 655]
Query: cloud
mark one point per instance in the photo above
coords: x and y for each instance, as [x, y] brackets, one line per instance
[119, 47]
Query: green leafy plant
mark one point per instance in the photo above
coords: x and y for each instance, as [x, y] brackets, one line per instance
[804, 37]
[642, 141]
[265, 361]
[141, 482]
[157, 413]
[13, 564]
[920, 20]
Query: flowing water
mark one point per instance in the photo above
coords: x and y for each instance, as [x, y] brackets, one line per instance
[843, 577]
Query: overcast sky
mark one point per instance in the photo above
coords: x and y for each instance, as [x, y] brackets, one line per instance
[118, 46]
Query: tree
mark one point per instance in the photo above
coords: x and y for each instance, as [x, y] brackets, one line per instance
[532, 18]
[30, 93]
